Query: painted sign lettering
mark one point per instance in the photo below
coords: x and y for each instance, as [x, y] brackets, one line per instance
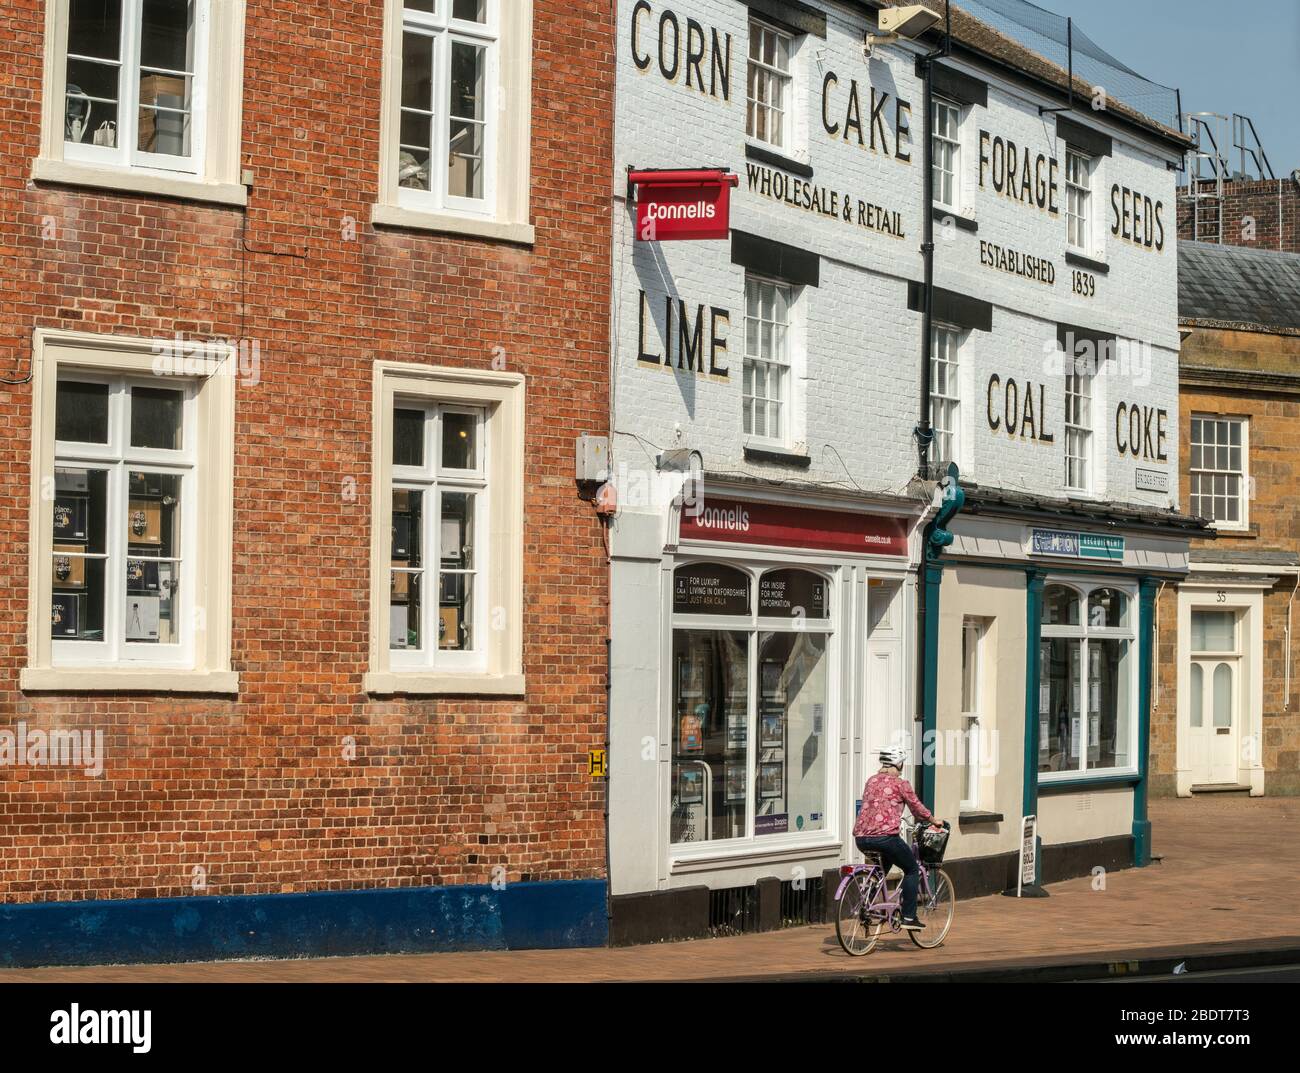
[849, 127]
[1010, 408]
[1015, 263]
[824, 201]
[1017, 173]
[1140, 431]
[681, 50]
[691, 343]
[1137, 219]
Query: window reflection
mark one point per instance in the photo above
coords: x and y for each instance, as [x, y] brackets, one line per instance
[790, 764]
[710, 735]
[1085, 701]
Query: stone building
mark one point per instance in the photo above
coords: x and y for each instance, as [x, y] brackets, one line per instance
[1224, 715]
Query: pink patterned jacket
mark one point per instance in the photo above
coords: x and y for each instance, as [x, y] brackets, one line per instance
[882, 806]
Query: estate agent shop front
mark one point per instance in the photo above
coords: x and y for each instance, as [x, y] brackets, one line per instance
[784, 642]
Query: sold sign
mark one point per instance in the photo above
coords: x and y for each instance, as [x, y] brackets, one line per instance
[682, 205]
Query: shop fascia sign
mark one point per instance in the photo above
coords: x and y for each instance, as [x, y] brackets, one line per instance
[733, 521]
[683, 204]
[1068, 544]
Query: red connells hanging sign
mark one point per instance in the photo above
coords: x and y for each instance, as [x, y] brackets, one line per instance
[733, 521]
[672, 206]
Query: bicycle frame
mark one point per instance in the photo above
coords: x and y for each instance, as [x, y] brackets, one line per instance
[885, 902]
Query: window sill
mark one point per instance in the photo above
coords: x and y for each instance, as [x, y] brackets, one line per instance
[779, 455]
[382, 215]
[970, 819]
[118, 679]
[388, 683]
[962, 223]
[703, 860]
[775, 158]
[1249, 531]
[1084, 783]
[1101, 268]
[72, 173]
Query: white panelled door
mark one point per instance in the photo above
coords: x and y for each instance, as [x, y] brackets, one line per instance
[1214, 691]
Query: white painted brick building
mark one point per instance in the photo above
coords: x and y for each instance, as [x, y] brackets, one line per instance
[696, 802]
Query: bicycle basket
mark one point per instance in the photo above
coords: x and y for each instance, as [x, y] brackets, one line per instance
[932, 843]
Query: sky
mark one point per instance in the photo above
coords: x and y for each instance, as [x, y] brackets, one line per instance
[1225, 55]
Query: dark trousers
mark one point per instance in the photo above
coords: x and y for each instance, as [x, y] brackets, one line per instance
[895, 851]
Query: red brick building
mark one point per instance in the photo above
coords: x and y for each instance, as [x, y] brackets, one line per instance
[301, 310]
[1261, 213]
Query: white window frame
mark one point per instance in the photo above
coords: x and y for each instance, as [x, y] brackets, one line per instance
[691, 856]
[973, 633]
[946, 405]
[952, 142]
[117, 458]
[1078, 200]
[496, 666]
[201, 661]
[503, 212]
[1080, 408]
[779, 364]
[432, 479]
[1242, 476]
[212, 172]
[771, 74]
[1083, 635]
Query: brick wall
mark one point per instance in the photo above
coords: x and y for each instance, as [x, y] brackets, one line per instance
[1260, 214]
[256, 790]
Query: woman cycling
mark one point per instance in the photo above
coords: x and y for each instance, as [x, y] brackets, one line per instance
[879, 819]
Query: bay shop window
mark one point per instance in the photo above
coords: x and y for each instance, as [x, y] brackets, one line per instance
[1088, 684]
[750, 697]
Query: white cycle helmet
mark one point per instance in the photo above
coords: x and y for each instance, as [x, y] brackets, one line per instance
[894, 756]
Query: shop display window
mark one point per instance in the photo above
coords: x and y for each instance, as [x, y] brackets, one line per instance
[750, 702]
[1087, 683]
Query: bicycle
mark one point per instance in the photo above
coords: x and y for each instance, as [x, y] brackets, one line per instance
[865, 903]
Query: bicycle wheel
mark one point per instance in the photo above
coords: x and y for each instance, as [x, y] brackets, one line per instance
[935, 912]
[854, 926]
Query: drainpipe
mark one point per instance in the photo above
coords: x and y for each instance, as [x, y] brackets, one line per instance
[1286, 692]
[924, 431]
[1146, 644]
[938, 537]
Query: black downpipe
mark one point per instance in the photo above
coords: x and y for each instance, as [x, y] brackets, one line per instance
[924, 430]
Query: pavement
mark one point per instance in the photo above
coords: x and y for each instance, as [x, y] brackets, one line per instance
[1225, 894]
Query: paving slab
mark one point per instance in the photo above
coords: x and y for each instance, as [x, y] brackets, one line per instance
[1228, 880]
